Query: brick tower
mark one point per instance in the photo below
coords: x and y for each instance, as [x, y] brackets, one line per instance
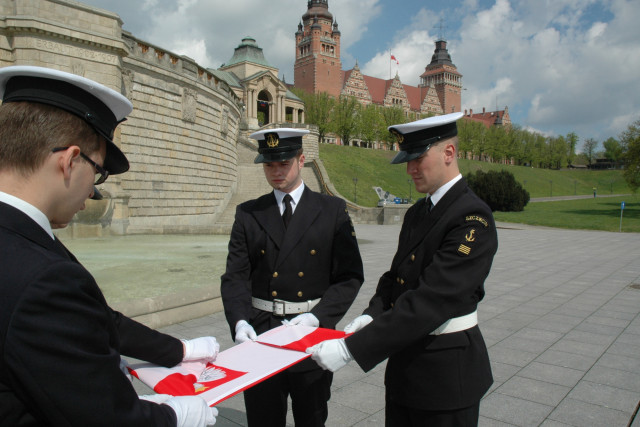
[317, 67]
[443, 75]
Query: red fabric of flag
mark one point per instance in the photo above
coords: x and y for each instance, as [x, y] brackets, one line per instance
[393, 58]
[315, 337]
[178, 384]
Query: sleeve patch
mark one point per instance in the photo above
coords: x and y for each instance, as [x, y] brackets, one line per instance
[477, 218]
[468, 242]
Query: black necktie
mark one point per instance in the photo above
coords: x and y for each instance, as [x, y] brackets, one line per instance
[429, 204]
[286, 216]
[426, 208]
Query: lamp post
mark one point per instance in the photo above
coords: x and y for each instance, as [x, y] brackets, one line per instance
[355, 190]
[409, 182]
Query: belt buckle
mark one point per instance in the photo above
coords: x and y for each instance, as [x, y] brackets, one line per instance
[279, 303]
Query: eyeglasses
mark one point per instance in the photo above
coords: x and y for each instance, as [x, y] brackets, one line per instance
[104, 174]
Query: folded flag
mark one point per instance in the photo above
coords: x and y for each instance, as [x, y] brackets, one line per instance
[237, 368]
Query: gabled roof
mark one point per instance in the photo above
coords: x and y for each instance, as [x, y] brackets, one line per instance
[377, 88]
[487, 118]
[415, 95]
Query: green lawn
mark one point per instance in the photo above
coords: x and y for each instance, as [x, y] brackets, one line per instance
[601, 213]
[372, 168]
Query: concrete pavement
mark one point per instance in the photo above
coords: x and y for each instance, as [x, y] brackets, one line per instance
[561, 319]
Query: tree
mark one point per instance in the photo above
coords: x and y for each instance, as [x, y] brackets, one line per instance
[344, 118]
[572, 143]
[630, 140]
[499, 190]
[589, 149]
[317, 108]
[390, 116]
[612, 150]
[368, 123]
[558, 149]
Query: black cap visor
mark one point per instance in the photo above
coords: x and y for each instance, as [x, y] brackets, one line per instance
[406, 156]
[270, 156]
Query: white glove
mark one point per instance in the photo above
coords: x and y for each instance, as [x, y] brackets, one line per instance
[358, 323]
[304, 319]
[203, 348]
[156, 398]
[192, 411]
[244, 332]
[331, 354]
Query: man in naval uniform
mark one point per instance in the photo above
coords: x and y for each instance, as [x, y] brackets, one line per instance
[293, 257]
[60, 343]
[422, 316]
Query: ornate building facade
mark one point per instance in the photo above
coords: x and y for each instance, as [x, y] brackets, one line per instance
[317, 69]
[265, 98]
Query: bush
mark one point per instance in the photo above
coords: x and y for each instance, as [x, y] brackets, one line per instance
[499, 190]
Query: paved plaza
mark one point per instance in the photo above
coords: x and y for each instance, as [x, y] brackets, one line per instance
[561, 320]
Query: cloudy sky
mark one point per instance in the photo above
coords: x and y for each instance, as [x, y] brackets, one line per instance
[559, 65]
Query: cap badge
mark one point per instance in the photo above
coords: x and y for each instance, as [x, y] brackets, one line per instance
[272, 140]
[398, 135]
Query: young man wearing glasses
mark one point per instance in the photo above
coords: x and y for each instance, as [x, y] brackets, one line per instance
[60, 343]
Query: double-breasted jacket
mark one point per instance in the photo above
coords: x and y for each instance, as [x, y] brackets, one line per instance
[437, 274]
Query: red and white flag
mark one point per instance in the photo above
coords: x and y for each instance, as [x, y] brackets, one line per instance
[237, 368]
[393, 58]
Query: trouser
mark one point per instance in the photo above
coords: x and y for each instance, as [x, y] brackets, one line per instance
[401, 416]
[266, 402]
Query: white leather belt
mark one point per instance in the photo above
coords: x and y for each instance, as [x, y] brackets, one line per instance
[457, 324]
[281, 308]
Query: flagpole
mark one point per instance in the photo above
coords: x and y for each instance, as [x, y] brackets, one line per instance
[389, 64]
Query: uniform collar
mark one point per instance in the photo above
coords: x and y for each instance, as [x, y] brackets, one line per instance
[295, 195]
[440, 192]
[28, 209]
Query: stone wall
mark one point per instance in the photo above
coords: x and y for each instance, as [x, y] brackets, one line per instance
[180, 138]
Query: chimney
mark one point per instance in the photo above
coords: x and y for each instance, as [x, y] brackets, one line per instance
[482, 110]
[465, 111]
[471, 111]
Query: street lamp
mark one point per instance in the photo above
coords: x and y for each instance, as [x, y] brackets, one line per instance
[409, 182]
[355, 190]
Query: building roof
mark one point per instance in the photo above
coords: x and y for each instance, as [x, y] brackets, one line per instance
[230, 78]
[248, 51]
[377, 88]
[317, 8]
[489, 118]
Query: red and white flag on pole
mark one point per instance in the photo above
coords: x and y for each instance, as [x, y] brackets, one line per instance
[393, 58]
[237, 368]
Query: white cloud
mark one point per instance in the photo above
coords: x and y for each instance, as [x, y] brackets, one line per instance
[560, 66]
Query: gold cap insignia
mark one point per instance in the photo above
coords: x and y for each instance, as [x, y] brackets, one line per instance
[398, 135]
[272, 140]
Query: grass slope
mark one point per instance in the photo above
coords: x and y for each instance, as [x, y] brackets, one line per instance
[372, 168]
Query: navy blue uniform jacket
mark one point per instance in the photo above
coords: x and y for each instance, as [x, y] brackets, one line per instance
[437, 273]
[317, 256]
[60, 343]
